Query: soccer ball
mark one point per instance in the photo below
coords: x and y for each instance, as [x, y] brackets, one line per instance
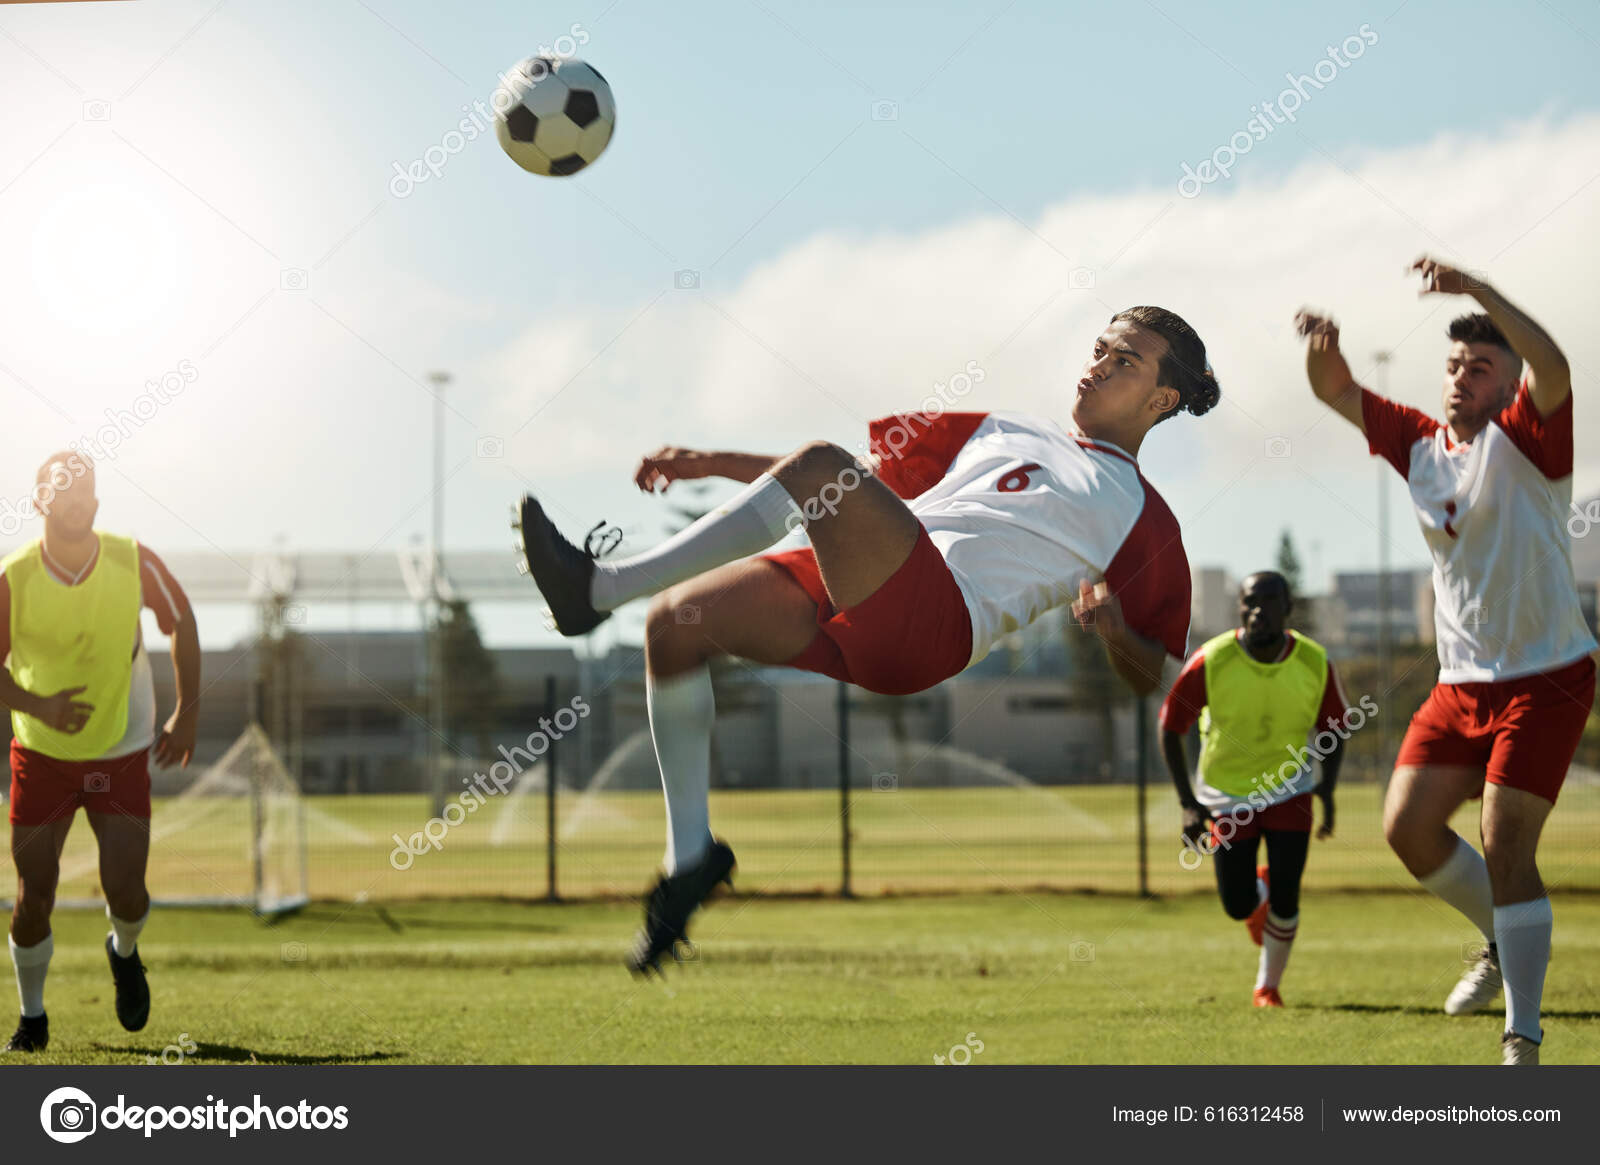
[553, 116]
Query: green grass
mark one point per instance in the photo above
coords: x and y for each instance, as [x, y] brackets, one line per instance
[912, 840]
[1038, 978]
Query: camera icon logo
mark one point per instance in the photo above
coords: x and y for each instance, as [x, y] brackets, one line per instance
[97, 782]
[1081, 952]
[293, 279]
[67, 1115]
[1081, 279]
[1277, 448]
[491, 447]
[292, 952]
[686, 280]
[97, 109]
[885, 111]
[294, 613]
[885, 782]
[687, 614]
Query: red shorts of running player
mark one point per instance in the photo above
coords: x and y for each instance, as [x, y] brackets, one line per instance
[1522, 732]
[908, 635]
[1291, 816]
[44, 789]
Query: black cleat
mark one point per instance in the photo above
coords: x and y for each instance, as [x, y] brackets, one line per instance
[32, 1034]
[561, 570]
[133, 993]
[674, 899]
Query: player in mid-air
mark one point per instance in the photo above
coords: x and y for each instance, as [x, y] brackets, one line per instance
[965, 527]
[1268, 701]
[77, 680]
[1491, 487]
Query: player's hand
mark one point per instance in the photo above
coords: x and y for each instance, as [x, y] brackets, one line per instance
[175, 745]
[1325, 830]
[63, 711]
[1196, 821]
[1442, 279]
[1319, 329]
[668, 464]
[1098, 608]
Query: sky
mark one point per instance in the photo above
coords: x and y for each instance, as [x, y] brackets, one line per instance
[810, 215]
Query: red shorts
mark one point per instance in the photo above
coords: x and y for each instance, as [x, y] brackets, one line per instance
[44, 789]
[1522, 733]
[1291, 816]
[908, 635]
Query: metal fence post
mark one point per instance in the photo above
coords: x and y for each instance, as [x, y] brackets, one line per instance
[1142, 754]
[843, 705]
[550, 794]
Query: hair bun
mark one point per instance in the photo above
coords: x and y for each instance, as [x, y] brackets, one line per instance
[1207, 392]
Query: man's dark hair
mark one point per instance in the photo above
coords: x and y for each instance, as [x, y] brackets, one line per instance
[1275, 576]
[1478, 328]
[1184, 366]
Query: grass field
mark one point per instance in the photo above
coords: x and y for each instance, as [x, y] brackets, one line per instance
[1036, 978]
[905, 841]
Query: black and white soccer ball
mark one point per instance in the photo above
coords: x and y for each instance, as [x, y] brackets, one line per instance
[553, 116]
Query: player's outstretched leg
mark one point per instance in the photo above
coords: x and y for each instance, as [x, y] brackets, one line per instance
[1286, 863]
[1416, 823]
[124, 851]
[582, 592]
[36, 852]
[1512, 822]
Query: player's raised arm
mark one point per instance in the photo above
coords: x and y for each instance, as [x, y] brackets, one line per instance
[668, 464]
[1549, 376]
[1133, 657]
[1326, 368]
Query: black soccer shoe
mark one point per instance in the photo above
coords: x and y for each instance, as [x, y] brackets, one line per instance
[674, 899]
[561, 570]
[32, 1034]
[133, 993]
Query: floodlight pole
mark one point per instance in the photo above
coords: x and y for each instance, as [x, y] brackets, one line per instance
[435, 604]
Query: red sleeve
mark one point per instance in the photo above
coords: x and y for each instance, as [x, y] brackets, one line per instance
[161, 591]
[1182, 706]
[1334, 705]
[914, 450]
[1150, 575]
[1545, 441]
[1392, 429]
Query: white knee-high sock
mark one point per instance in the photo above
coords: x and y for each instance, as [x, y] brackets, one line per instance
[1463, 881]
[124, 934]
[751, 521]
[1276, 942]
[1522, 933]
[31, 964]
[681, 712]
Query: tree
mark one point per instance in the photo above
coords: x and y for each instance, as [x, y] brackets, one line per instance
[471, 681]
[1288, 565]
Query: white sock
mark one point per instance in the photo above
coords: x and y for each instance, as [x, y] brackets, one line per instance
[681, 711]
[748, 523]
[1463, 881]
[125, 935]
[1262, 893]
[32, 964]
[1276, 941]
[1522, 932]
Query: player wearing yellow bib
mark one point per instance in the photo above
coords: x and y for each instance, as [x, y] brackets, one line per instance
[1268, 702]
[77, 680]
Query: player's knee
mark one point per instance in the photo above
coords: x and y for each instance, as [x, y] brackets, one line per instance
[35, 901]
[816, 461]
[1240, 904]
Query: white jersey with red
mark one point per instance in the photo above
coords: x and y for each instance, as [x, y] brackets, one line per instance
[1494, 515]
[1021, 510]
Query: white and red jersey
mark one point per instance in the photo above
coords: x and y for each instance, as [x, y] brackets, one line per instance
[1493, 513]
[1021, 510]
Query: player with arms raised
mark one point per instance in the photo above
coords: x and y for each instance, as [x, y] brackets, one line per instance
[1491, 487]
[968, 526]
